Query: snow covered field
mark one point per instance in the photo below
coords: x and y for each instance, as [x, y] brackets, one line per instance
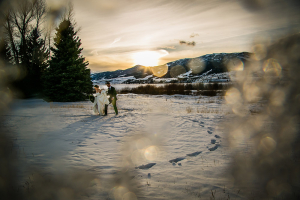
[158, 147]
[122, 86]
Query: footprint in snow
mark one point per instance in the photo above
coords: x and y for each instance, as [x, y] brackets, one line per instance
[209, 132]
[210, 128]
[146, 166]
[194, 154]
[216, 136]
[214, 148]
[176, 160]
[202, 124]
[213, 141]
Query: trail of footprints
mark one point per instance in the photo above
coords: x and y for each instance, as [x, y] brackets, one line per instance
[177, 160]
[213, 141]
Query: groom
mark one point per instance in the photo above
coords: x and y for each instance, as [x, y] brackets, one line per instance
[112, 97]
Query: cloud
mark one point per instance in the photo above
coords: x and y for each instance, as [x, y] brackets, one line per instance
[94, 53]
[192, 43]
[120, 28]
[167, 47]
[194, 35]
[115, 41]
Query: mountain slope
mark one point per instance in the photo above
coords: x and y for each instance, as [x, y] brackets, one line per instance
[212, 63]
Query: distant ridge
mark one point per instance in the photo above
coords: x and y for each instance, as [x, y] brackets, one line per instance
[213, 63]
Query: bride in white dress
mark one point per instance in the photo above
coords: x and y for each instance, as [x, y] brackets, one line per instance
[100, 101]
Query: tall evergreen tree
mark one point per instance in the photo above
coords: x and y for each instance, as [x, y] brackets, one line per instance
[38, 52]
[67, 77]
[36, 60]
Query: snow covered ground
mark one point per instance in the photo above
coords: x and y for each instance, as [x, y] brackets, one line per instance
[158, 147]
[122, 86]
[206, 77]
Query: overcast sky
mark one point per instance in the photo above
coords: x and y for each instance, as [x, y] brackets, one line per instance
[115, 32]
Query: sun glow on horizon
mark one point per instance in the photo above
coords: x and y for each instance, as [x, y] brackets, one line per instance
[148, 58]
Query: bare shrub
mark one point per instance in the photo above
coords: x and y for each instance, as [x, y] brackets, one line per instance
[205, 89]
[188, 109]
[207, 92]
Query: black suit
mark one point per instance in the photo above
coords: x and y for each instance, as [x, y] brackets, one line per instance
[112, 99]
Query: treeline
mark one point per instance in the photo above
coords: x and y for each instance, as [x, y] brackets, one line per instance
[206, 89]
[47, 65]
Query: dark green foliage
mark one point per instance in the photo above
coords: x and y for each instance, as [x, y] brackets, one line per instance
[34, 59]
[33, 54]
[67, 78]
[37, 53]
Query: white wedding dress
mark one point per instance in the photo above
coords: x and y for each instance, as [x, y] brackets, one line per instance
[99, 103]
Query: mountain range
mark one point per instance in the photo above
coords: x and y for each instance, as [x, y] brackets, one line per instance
[206, 64]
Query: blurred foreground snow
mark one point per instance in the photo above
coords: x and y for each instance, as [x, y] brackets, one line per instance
[177, 139]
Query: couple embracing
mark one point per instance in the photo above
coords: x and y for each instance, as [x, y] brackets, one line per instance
[101, 100]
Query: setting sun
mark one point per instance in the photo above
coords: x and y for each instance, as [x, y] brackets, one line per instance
[146, 58]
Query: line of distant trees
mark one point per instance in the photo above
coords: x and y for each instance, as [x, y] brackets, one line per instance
[28, 43]
[213, 89]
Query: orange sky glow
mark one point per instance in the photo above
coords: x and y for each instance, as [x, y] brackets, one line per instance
[119, 34]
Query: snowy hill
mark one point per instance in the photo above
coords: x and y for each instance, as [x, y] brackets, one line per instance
[213, 68]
